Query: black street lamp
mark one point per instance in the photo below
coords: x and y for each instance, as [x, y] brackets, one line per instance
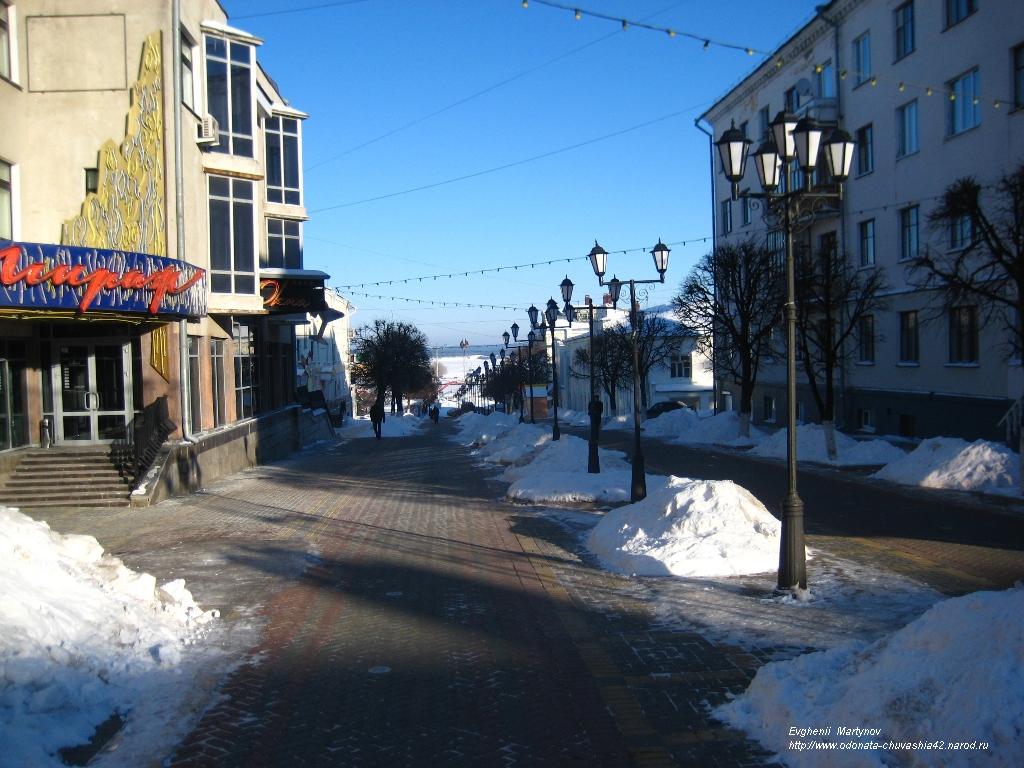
[551, 313]
[494, 380]
[595, 408]
[795, 207]
[531, 337]
[519, 369]
[599, 261]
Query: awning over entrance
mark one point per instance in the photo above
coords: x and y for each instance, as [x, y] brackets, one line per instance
[287, 292]
[42, 278]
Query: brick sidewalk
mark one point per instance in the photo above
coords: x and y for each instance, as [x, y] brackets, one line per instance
[435, 624]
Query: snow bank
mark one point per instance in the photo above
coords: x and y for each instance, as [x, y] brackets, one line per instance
[689, 528]
[949, 462]
[81, 637]
[955, 674]
[720, 429]
[672, 423]
[515, 445]
[479, 429]
[810, 446]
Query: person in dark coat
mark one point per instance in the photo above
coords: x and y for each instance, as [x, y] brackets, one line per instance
[435, 413]
[377, 416]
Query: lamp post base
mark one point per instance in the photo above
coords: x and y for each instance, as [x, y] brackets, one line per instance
[596, 408]
[792, 552]
[638, 481]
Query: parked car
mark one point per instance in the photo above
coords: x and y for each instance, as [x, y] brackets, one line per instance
[664, 407]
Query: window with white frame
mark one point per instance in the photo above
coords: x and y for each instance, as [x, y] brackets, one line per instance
[195, 384]
[188, 76]
[726, 217]
[903, 21]
[958, 10]
[866, 339]
[963, 335]
[961, 232]
[964, 110]
[862, 58]
[764, 118]
[5, 41]
[865, 149]
[906, 129]
[229, 94]
[910, 243]
[745, 210]
[218, 381]
[6, 202]
[681, 367]
[246, 356]
[910, 348]
[232, 239]
[282, 136]
[866, 230]
[284, 249]
[826, 79]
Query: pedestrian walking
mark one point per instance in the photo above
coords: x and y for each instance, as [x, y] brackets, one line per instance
[435, 413]
[377, 416]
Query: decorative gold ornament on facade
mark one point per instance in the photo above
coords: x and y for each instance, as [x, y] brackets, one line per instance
[159, 351]
[127, 211]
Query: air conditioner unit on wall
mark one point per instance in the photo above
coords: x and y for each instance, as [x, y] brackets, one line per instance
[209, 131]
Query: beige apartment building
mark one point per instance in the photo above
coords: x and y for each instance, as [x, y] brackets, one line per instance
[151, 213]
[931, 91]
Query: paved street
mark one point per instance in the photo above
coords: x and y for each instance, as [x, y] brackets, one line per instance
[408, 616]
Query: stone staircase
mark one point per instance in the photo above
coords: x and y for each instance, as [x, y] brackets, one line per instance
[65, 477]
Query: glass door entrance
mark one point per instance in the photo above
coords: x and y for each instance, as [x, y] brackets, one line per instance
[93, 386]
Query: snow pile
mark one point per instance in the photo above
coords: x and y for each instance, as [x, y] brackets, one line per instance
[81, 637]
[558, 473]
[515, 444]
[689, 528]
[810, 446]
[574, 418]
[479, 429]
[949, 462]
[720, 429]
[671, 423]
[395, 425]
[955, 674]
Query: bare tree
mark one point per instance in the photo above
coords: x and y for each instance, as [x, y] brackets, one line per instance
[613, 362]
[658, 340]
[982, 260]
[732, 299]
[831, 299]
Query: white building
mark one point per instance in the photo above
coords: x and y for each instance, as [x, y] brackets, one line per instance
[932, 92]
[323, 353]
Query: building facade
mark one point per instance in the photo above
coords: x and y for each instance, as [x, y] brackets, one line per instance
[151, 212]
[931, 92]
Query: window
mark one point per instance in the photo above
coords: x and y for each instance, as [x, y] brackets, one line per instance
[866, 339]
[188, 82]
[246, 368]
[769, 409]
[775, 241]
[961, 232]
[764, 118]
[909, 346]
[283, 248]
[866, 229]
[909, 237]
[862, 58]
[826, 80]
[903, 18]
[866, 419]
[681, 367]
[232, 251]
[195, 384]
[283, 160]
[5, 42]
[958, 10]
[6, 202]
[964, 112]
[865, 150]
[906, 129]
[792, 100]
[1018, 77]
[229, 94]
[92, 180]
[963, 335]
[726, 217]
[743, 129]
[745, 209]
[217, 376]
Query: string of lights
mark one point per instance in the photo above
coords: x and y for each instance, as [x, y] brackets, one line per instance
[530, 265]
[434, 303]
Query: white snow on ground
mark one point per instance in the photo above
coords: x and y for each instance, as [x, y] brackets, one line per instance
[947, 462]
[810, 446]
[395, 425]
[479, 429]
[689, 528]
[574, 418]
[954, 675]
[82, 637]
[720, 429]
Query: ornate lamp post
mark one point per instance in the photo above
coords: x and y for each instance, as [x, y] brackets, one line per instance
[519, 369]
[595, 408]
[551, 313]
[795, 208]
[599, 261]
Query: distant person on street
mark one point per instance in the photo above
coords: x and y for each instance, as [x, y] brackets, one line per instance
[377, 416]
[435, 413]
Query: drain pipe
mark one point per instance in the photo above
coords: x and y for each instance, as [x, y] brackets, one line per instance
[179, 218]
[714, 244]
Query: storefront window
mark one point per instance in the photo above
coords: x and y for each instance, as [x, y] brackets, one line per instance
[13, 423]
[246, 369]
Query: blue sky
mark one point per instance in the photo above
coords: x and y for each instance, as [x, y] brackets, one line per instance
[365, 68]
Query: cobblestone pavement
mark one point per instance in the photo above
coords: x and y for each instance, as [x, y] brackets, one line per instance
[410, 617]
